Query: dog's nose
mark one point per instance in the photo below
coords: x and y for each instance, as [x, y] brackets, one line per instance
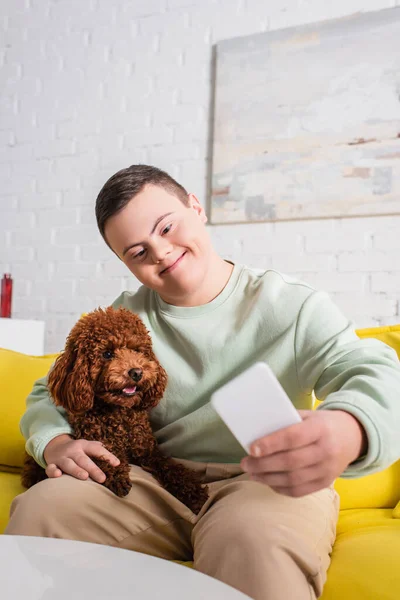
[135, 374]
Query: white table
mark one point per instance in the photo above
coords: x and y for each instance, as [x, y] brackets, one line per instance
[22, 335]
[33, 568]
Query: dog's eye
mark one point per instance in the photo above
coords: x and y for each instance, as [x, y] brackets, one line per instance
[108, 354]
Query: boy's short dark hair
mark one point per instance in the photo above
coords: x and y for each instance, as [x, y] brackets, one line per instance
[126, 184]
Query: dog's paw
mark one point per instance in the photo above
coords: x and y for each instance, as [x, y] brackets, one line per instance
[119, 486]
[185, 485]
[195, 497]
[193, 494]
[117, 478]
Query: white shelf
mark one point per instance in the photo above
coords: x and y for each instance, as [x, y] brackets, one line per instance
[22, 335]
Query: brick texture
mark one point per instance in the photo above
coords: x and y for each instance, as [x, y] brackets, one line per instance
[91, 87]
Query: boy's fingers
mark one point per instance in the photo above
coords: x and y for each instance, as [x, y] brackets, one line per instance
[78, 464]
[97, 449]
[91, 468]
[289, 438]
[69, 466]
[284, 462]
[53, 471]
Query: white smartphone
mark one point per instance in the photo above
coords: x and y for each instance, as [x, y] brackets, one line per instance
[254, 404]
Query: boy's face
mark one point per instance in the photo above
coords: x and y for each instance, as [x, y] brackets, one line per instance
[162, 242]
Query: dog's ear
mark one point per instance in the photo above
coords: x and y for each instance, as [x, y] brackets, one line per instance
[156, 392]
[69, 382]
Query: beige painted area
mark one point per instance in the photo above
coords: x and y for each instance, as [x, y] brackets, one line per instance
[307, 122]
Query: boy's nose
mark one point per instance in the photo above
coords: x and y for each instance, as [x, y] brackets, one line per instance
[159, 257]
[160, 251]
[135, 374]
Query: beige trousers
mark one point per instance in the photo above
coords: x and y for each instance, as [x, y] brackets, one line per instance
[269, 546]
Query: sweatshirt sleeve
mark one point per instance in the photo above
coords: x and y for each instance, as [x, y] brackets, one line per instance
[42, 421]
[361, 377]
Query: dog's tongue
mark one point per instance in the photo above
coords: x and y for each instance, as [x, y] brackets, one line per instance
[129, 390]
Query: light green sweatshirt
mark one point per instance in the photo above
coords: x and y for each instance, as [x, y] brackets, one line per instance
[260, 315]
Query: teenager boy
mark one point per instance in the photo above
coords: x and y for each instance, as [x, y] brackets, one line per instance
[269, 524]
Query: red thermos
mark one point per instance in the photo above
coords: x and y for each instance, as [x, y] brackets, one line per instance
[6, 295]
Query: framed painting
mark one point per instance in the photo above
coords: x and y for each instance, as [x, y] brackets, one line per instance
[307, 122]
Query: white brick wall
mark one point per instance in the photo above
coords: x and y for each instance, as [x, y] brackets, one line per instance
[91, 87]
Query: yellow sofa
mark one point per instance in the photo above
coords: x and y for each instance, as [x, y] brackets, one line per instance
[367, 549]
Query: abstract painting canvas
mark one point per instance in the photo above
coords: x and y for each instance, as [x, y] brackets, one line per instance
[307, 122]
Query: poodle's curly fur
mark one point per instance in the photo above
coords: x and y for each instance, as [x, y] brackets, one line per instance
[107, 379]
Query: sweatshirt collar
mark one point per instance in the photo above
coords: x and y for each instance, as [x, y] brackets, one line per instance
[186, 312]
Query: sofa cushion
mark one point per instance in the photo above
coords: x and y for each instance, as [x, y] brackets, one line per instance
[18, 372]
[10, 486]
[380, 490]
[365, 556]
[389, 334]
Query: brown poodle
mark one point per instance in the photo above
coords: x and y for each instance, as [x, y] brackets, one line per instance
[108, 379]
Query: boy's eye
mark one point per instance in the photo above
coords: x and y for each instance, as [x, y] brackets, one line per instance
[166, 229]
[139, 254]
[108, 354]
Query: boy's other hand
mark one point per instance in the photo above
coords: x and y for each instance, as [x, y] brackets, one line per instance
[72, 457]
[308, 456]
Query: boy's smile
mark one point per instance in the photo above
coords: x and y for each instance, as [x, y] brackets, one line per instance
[165, 244]
[173, 265]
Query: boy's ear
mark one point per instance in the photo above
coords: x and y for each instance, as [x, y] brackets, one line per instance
[197, 207]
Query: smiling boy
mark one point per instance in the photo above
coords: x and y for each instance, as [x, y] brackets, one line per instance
[269, 524]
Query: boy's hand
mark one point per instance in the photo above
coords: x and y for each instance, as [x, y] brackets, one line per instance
[308, 456]
[66, 455]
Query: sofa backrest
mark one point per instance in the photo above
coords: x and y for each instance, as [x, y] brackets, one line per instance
[18, 372]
